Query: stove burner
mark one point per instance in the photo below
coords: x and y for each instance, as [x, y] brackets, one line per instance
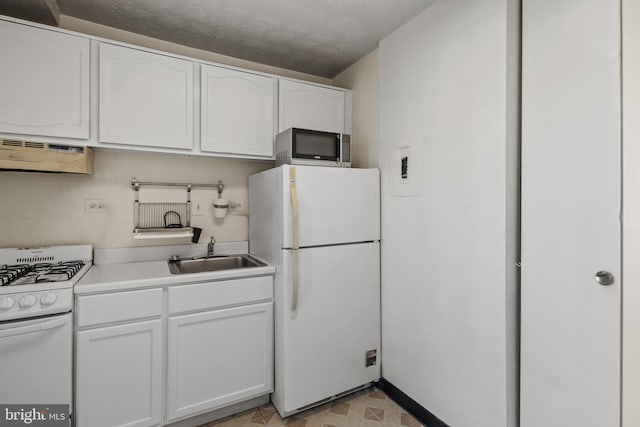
[21, 274]
[12, 272]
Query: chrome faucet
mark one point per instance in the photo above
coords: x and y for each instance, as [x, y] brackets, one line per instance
[210, 246]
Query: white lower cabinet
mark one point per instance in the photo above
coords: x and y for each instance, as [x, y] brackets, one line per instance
[218, 357]
[154, 356]
[119, 375]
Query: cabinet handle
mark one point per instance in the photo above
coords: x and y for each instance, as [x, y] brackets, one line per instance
[23, 330]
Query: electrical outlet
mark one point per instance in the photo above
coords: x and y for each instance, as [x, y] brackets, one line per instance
[238, 207]
[197, 208]
[95, 205]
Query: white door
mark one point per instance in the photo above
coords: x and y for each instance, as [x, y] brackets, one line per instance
[119, 375]
[36, 360]
[145, 98]
[44, 82]
[335, 205]
[308, 106]
[570, 348]
[321, 350]
[238, 112]
[219, 357]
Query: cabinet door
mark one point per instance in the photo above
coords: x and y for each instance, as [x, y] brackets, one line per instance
[145, 98]
[119, 375]
[218, 358]
[348, 106]
[44, 82]
[571, 150]
[237, 112]
[310, 107]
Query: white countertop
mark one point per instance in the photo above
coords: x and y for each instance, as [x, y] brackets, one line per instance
[151, 274]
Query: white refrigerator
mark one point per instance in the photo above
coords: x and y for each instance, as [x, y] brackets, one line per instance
[320, 226]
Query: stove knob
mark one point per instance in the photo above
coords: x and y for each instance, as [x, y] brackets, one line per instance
[6, 303]
[28, 301]
[48, 299]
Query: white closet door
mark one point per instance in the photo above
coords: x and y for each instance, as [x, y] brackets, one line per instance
[570, 353]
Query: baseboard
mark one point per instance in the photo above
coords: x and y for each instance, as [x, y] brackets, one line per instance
[207, 417]
[413, 407]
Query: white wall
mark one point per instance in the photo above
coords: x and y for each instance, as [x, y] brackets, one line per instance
[631, 213]
[448, 81]
[362, 79]
[49, 209]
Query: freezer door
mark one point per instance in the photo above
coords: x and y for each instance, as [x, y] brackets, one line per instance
[335, 205]
[321, 350]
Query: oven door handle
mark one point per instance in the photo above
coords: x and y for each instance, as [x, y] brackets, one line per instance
[23, 330]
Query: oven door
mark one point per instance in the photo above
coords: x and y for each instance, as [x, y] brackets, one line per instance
[36, 361]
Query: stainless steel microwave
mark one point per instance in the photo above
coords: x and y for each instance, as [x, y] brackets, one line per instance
[297, 146]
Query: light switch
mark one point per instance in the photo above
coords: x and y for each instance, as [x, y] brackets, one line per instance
[402, 158]
[197, 208]
[406, 172]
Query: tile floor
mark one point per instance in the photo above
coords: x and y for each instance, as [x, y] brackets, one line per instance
[366, 408]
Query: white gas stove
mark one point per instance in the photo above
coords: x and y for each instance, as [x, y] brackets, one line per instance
[36, 322]
[39, 281]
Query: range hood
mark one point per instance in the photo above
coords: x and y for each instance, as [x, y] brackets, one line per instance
[44, 157]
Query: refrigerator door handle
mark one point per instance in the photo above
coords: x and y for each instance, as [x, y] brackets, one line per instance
[294, 206]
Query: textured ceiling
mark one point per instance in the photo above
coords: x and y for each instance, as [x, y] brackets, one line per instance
[321, 37]
[31, 10]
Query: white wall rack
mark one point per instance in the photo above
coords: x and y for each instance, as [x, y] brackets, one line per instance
[164, 220]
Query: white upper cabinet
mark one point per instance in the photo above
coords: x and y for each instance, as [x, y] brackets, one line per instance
[310, 107]
[44, 82]
[238, 112]
[145, 98]
[348, 106]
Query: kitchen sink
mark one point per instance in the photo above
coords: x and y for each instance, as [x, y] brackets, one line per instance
[214, 263]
